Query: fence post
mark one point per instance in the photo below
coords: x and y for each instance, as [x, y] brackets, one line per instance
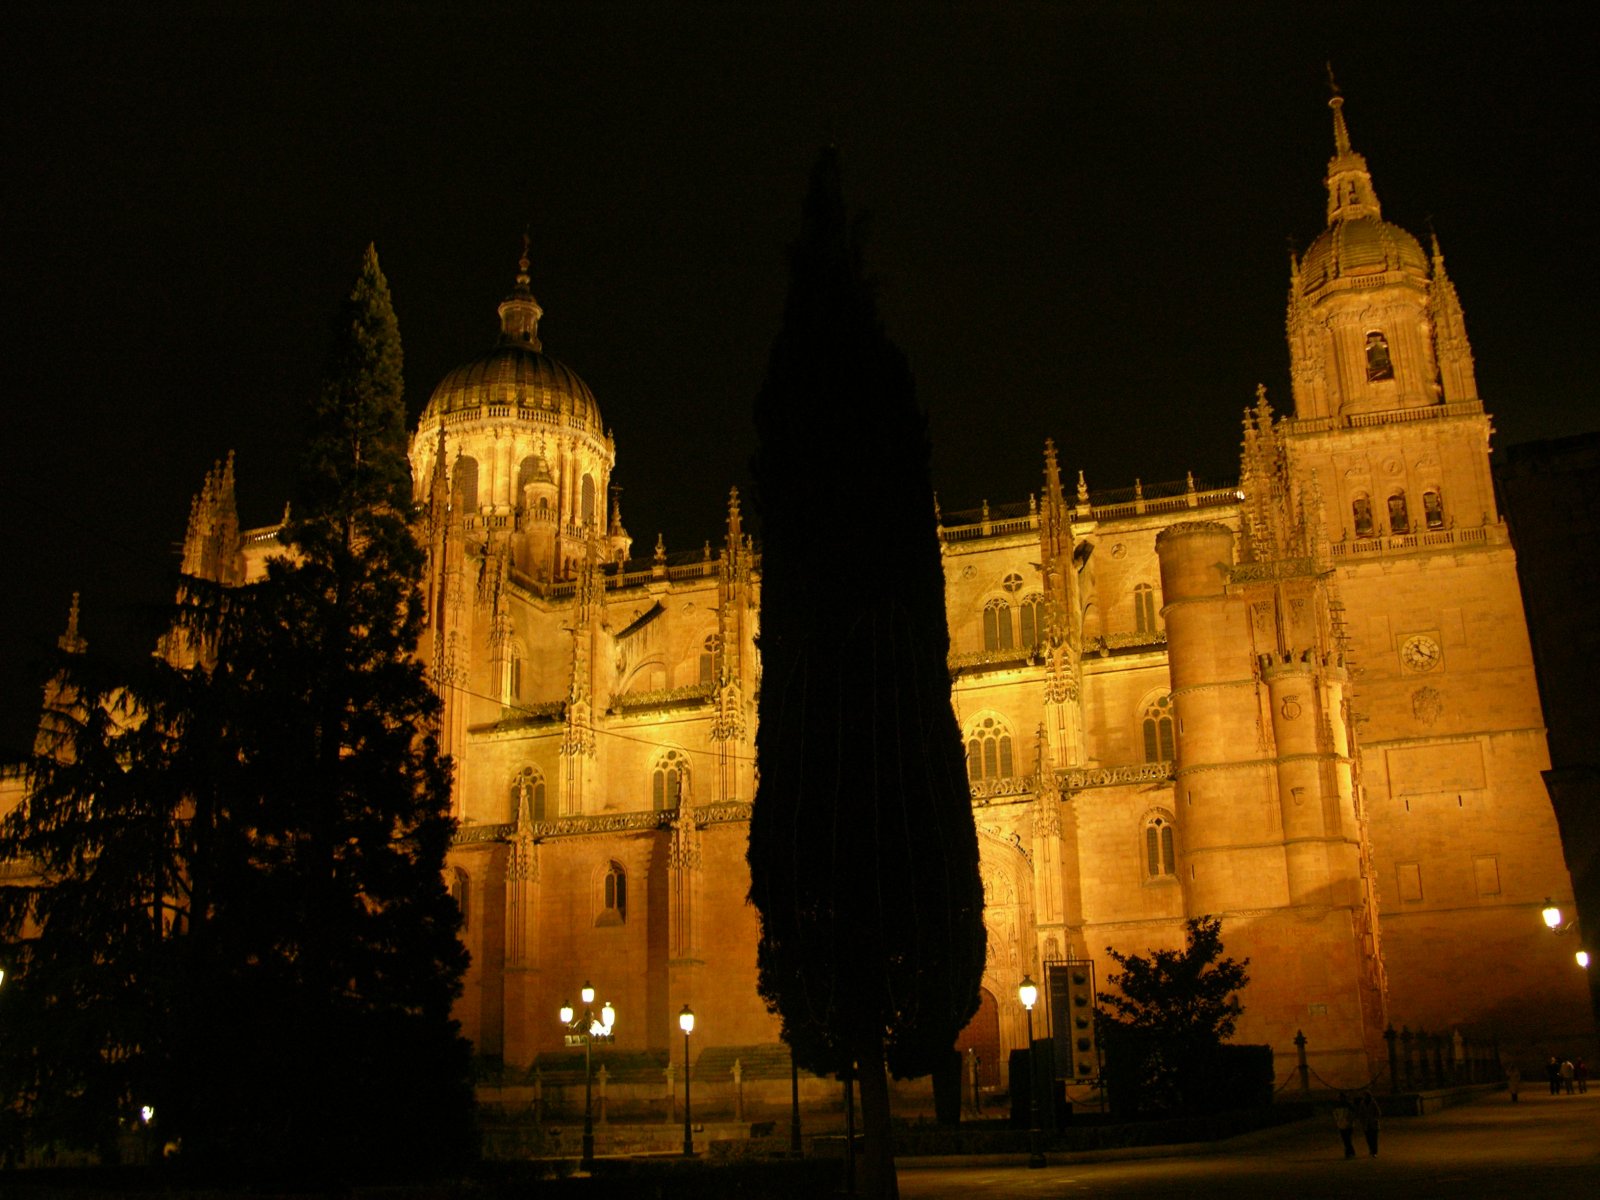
[1405, 1049]
[738, 1090]
[538, 1095]
[1305, 1071]
[600, 1078]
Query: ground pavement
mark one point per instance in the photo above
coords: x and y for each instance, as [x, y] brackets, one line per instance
[1542, 1146]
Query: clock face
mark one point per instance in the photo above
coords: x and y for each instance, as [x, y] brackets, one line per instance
[1420, 652]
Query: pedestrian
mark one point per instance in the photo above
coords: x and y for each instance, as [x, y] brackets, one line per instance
[1367, 1114]
[1344, 1122]
[1568, 1074]
[1553, 1070]
[1581, 1071]
[1513, 1082]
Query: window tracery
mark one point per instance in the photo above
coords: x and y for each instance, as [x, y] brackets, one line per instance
[1156, 725]
[669, 782]
[989, 750]
[1160, 857]
[527, 794]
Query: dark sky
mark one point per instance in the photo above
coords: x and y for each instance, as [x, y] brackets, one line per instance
[1081, 215]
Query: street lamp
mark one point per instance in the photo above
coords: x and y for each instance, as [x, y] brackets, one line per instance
[1551, 915]
[686, 1023]
[587, 1026]
[1028, 993]
[1583, 959]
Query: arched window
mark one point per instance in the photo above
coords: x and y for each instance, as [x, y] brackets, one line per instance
[514, 676]
[669, 782]
[1433, 509]
[997, 632]
[1157, 724]
[527, 795]
[1144, 608]
[587, 503]
[1032, 618]
[1399, 520]
[1361, 509]
[1159, 857]
[459, 884]
[613, 906]
[708, 659]
[989, 750]
[464, 484]
[1378, 364]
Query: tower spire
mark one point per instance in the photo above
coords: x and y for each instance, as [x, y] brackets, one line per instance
[1350, 190]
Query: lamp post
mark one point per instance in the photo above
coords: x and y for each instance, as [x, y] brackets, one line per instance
[686, 1023]
[1028, 993]
[588, 1026]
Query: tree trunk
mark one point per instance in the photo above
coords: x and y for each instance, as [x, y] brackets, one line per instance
[877, 1176]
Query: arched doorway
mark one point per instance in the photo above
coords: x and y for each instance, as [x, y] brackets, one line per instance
[982, 1035]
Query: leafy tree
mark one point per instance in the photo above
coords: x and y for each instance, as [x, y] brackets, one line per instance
[863, 855]
[1170, 1013]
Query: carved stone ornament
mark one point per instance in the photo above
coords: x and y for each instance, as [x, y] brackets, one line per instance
[1426, 705]
[683, 853]
[1290, 708]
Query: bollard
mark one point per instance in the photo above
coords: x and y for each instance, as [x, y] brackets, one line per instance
[1305, 1070]
[738, 1090]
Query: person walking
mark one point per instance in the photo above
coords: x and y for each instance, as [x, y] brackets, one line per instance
[1344, 1121]
[1513, 1082]
[1553, 1070]
[1581, 1072]
[1367, 1114]
[1568, 1074]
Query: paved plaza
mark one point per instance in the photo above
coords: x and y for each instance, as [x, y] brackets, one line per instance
[1542, 1146]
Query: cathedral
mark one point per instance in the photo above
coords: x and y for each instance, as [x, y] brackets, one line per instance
[1304, 703]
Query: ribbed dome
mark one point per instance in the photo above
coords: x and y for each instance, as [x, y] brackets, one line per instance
[516, 372]
[1360, 246]
[510, 374]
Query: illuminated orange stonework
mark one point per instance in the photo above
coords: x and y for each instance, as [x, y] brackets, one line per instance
[1306, 704]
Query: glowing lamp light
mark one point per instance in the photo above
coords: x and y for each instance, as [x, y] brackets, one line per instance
[1583, 959]
[147, 1114]
[588, 994]
[566, 1014]
[1028, 993]
[686, 1019]
[1551, 914]
[608, 1016]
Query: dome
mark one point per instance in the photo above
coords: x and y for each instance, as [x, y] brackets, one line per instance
[1364, 245]
[518, 375]
[516, 372]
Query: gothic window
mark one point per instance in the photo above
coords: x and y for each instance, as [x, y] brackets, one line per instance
[1012, 583]
[1144, 608]
[587, 509]
[1378, 364]
[1361, 507]
[997, 632]
[1433, 509]
[1032, 617]
[530, 784]
[613, 896]
[708, 659]
[458, 891]
[1157, 727]
[1399, 521]
[669, 782]
[464, 484]
[1159, 858]
[989, 751]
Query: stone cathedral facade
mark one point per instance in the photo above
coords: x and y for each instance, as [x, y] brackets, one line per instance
[1305, 703]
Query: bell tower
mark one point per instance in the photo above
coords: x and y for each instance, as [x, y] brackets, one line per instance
[1390, 433]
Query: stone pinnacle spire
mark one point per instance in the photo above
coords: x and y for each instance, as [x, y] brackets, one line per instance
[1350, 190]
[520, 312]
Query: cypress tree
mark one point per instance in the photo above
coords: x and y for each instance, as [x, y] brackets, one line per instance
[863, 854]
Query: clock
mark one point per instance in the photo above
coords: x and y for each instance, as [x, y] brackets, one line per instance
[1420, 652]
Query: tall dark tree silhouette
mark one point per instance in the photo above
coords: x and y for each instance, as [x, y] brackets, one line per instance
[863, 855]
[345, 949]
[231, 901]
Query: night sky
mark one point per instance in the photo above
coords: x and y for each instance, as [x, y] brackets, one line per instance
[1081, 215]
